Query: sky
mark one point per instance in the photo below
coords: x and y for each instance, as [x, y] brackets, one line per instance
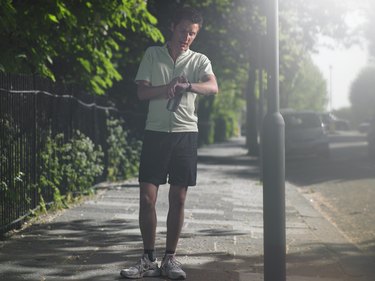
[340, 67]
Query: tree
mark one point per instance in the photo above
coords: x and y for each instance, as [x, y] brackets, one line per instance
[225, 39]
[308, 91]
[301, 24]
[362, 94]
[100, 42]
[231, 38]
[71, 41]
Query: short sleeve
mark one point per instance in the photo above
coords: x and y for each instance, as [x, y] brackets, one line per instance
[144, 69]
[205, 67]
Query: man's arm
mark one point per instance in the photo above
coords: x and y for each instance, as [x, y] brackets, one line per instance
[146, 91]
[208, 86]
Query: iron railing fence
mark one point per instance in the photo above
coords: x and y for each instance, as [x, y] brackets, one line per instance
[32, 108]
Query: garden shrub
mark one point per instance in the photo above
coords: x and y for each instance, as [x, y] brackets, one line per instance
[69, 168]
[123, 151]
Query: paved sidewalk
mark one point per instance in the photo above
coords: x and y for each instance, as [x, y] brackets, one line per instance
[222, 238]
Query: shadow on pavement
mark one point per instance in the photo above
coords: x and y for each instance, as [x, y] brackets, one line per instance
[93, 247]
[83, 250]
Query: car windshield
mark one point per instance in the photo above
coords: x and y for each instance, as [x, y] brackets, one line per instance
[301, 121]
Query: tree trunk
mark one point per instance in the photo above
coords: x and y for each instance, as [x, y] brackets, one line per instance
[251, 112]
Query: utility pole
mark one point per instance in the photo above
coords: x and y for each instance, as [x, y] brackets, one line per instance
[330, 88]
[273, 160]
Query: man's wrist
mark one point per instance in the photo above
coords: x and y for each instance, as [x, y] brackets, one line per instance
[189, 86]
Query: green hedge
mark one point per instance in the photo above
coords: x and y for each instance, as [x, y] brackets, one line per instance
[70, 168]
[123, 152]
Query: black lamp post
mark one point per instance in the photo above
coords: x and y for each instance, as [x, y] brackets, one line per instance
[273, 160]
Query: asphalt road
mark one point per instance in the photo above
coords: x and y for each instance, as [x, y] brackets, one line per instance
[342, 187]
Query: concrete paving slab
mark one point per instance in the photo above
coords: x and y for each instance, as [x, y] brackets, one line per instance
[222, 238]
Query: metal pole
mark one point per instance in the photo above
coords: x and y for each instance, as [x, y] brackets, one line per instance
[330, 88]
[273, 161]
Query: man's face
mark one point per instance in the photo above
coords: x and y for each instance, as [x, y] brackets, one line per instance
[183, 34]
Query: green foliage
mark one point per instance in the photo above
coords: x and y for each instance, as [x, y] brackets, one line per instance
[52, 172]
[123, 151]
[82, 162]
[228, 38]
[308, 90]
[4, 148]
[220, 115]
[227, 111]
[97, 43]
[71, 41]
[12, 177]
[362, 95]
[206, 123]
[301, 23]
[234, 38]
[9, 190]
[226, 126]
[70, 166]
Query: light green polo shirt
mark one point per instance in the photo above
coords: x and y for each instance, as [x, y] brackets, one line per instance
[158, 68]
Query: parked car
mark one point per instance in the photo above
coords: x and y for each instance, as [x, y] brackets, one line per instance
[333, 123]
[371, 139]
[342, 125]
[365, 126]
[305, 134]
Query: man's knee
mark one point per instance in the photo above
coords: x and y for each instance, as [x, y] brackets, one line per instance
[177, 196]
[148, 195]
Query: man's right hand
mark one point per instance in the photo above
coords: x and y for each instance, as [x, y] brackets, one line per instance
[176, 86]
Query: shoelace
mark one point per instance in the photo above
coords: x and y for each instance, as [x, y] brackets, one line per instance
[174, 263]
[140, 265]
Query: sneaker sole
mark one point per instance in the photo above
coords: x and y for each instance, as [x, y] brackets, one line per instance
[150, 273]
[175, 277]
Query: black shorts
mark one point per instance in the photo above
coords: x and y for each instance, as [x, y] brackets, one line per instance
[169, 155]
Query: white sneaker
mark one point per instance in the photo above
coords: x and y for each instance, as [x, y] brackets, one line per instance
[171, 268]
[144, 268]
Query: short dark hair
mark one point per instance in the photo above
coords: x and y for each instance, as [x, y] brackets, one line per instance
[188, 13]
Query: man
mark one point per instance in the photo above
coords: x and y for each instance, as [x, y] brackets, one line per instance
[170, 141]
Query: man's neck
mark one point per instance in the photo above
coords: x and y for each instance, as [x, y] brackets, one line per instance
[173, 52]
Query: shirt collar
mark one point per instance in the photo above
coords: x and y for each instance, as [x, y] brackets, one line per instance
[183, 54]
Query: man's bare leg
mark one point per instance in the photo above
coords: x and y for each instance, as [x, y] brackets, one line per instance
[147, 214]
[175, 219]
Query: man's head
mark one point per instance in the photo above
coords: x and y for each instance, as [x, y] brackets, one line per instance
[185, 26]
[189, 14]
